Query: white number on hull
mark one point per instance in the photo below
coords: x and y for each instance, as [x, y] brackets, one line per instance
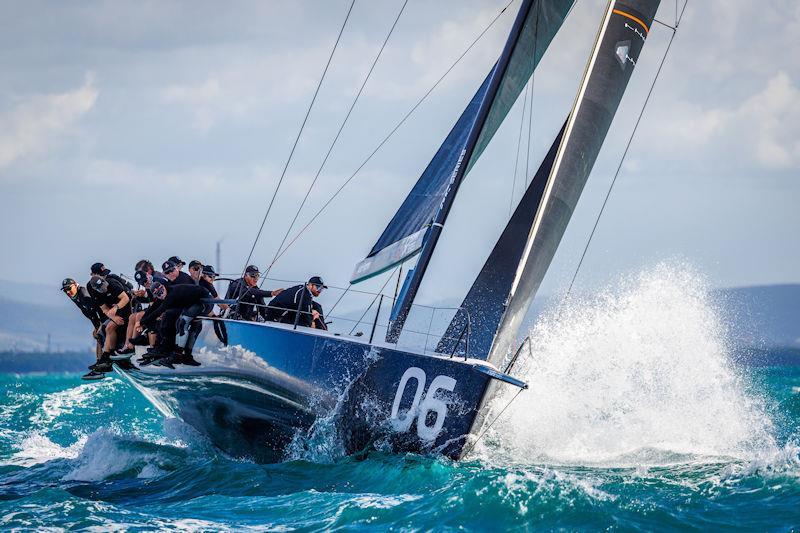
[420, 411]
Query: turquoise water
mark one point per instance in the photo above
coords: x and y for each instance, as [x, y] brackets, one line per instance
[638, 417]
[135, 471]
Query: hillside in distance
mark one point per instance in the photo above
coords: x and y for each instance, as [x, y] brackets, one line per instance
[758, 316]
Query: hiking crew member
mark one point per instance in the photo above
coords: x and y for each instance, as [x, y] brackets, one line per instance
[115, 303]
[207, 278]
[195, 270]
[173, 275]
[81, 298]
[250, 298]
[182, 277]
[177, 305]
[295, 304]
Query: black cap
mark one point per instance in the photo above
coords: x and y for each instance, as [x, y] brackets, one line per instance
[316, 280]
[68, 282]
[156, 288]
[98, 284]
[140, 277]
[251, 269]
[195, 263]
[208, 270]
[168, 266]
[99, 269]
[177, 260]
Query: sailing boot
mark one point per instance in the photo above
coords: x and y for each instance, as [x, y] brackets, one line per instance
[153, 354]
[174, 358]
[187, 359]
[123, 354]
[104, 364]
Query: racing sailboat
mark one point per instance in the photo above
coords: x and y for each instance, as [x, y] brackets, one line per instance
[261, 385]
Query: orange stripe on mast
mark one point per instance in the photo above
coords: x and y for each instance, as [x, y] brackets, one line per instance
[642, 24]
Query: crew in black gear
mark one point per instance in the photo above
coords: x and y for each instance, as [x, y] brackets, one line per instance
[81, 298]
[99, 269]
[115, 303]
[250, 298]
[207, 280]
[183, 278]
[177, 306]
[171, 275]
[295, 304]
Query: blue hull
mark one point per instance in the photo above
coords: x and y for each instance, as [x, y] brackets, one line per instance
[269, 387]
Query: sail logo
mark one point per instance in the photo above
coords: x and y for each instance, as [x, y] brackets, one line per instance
[621, 54]
[636, 31]
[453, 176]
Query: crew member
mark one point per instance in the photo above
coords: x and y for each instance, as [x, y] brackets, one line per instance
[146, 266]
[294, 305]
[250, 297]
[183, 277]
[99, 269]
[115, 303]
[81, 298]
[177, 305]
[207, 278]
[172, 275]
[195, 271]
[207, 281]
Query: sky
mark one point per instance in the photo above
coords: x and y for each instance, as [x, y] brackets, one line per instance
[147, 129]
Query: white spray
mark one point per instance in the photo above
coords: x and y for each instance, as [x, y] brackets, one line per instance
[637, 375]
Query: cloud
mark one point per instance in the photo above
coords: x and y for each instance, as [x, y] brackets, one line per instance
[35, 122]
[760, 130]
[773, 117]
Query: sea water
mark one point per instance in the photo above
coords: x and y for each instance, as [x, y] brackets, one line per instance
[638, 417]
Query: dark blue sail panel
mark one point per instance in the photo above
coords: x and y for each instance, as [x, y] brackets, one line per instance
[484, 304]
[404, 235]
[431, 198]
[541, 24]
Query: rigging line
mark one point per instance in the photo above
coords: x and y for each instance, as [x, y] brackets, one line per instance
[487, 428]
[297, 138]
[664, 24]
[519, 144]
[340, 298]
[338, 134]
[622, 160]
[392, 132]
[373, 301]
[533, 82]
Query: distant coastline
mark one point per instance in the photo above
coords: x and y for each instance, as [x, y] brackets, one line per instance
[53, 362]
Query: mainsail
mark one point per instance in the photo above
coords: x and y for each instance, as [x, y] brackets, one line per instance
[622, 34]
[418, 223]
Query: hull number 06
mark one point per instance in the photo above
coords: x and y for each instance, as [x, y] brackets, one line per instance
[419, 411]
